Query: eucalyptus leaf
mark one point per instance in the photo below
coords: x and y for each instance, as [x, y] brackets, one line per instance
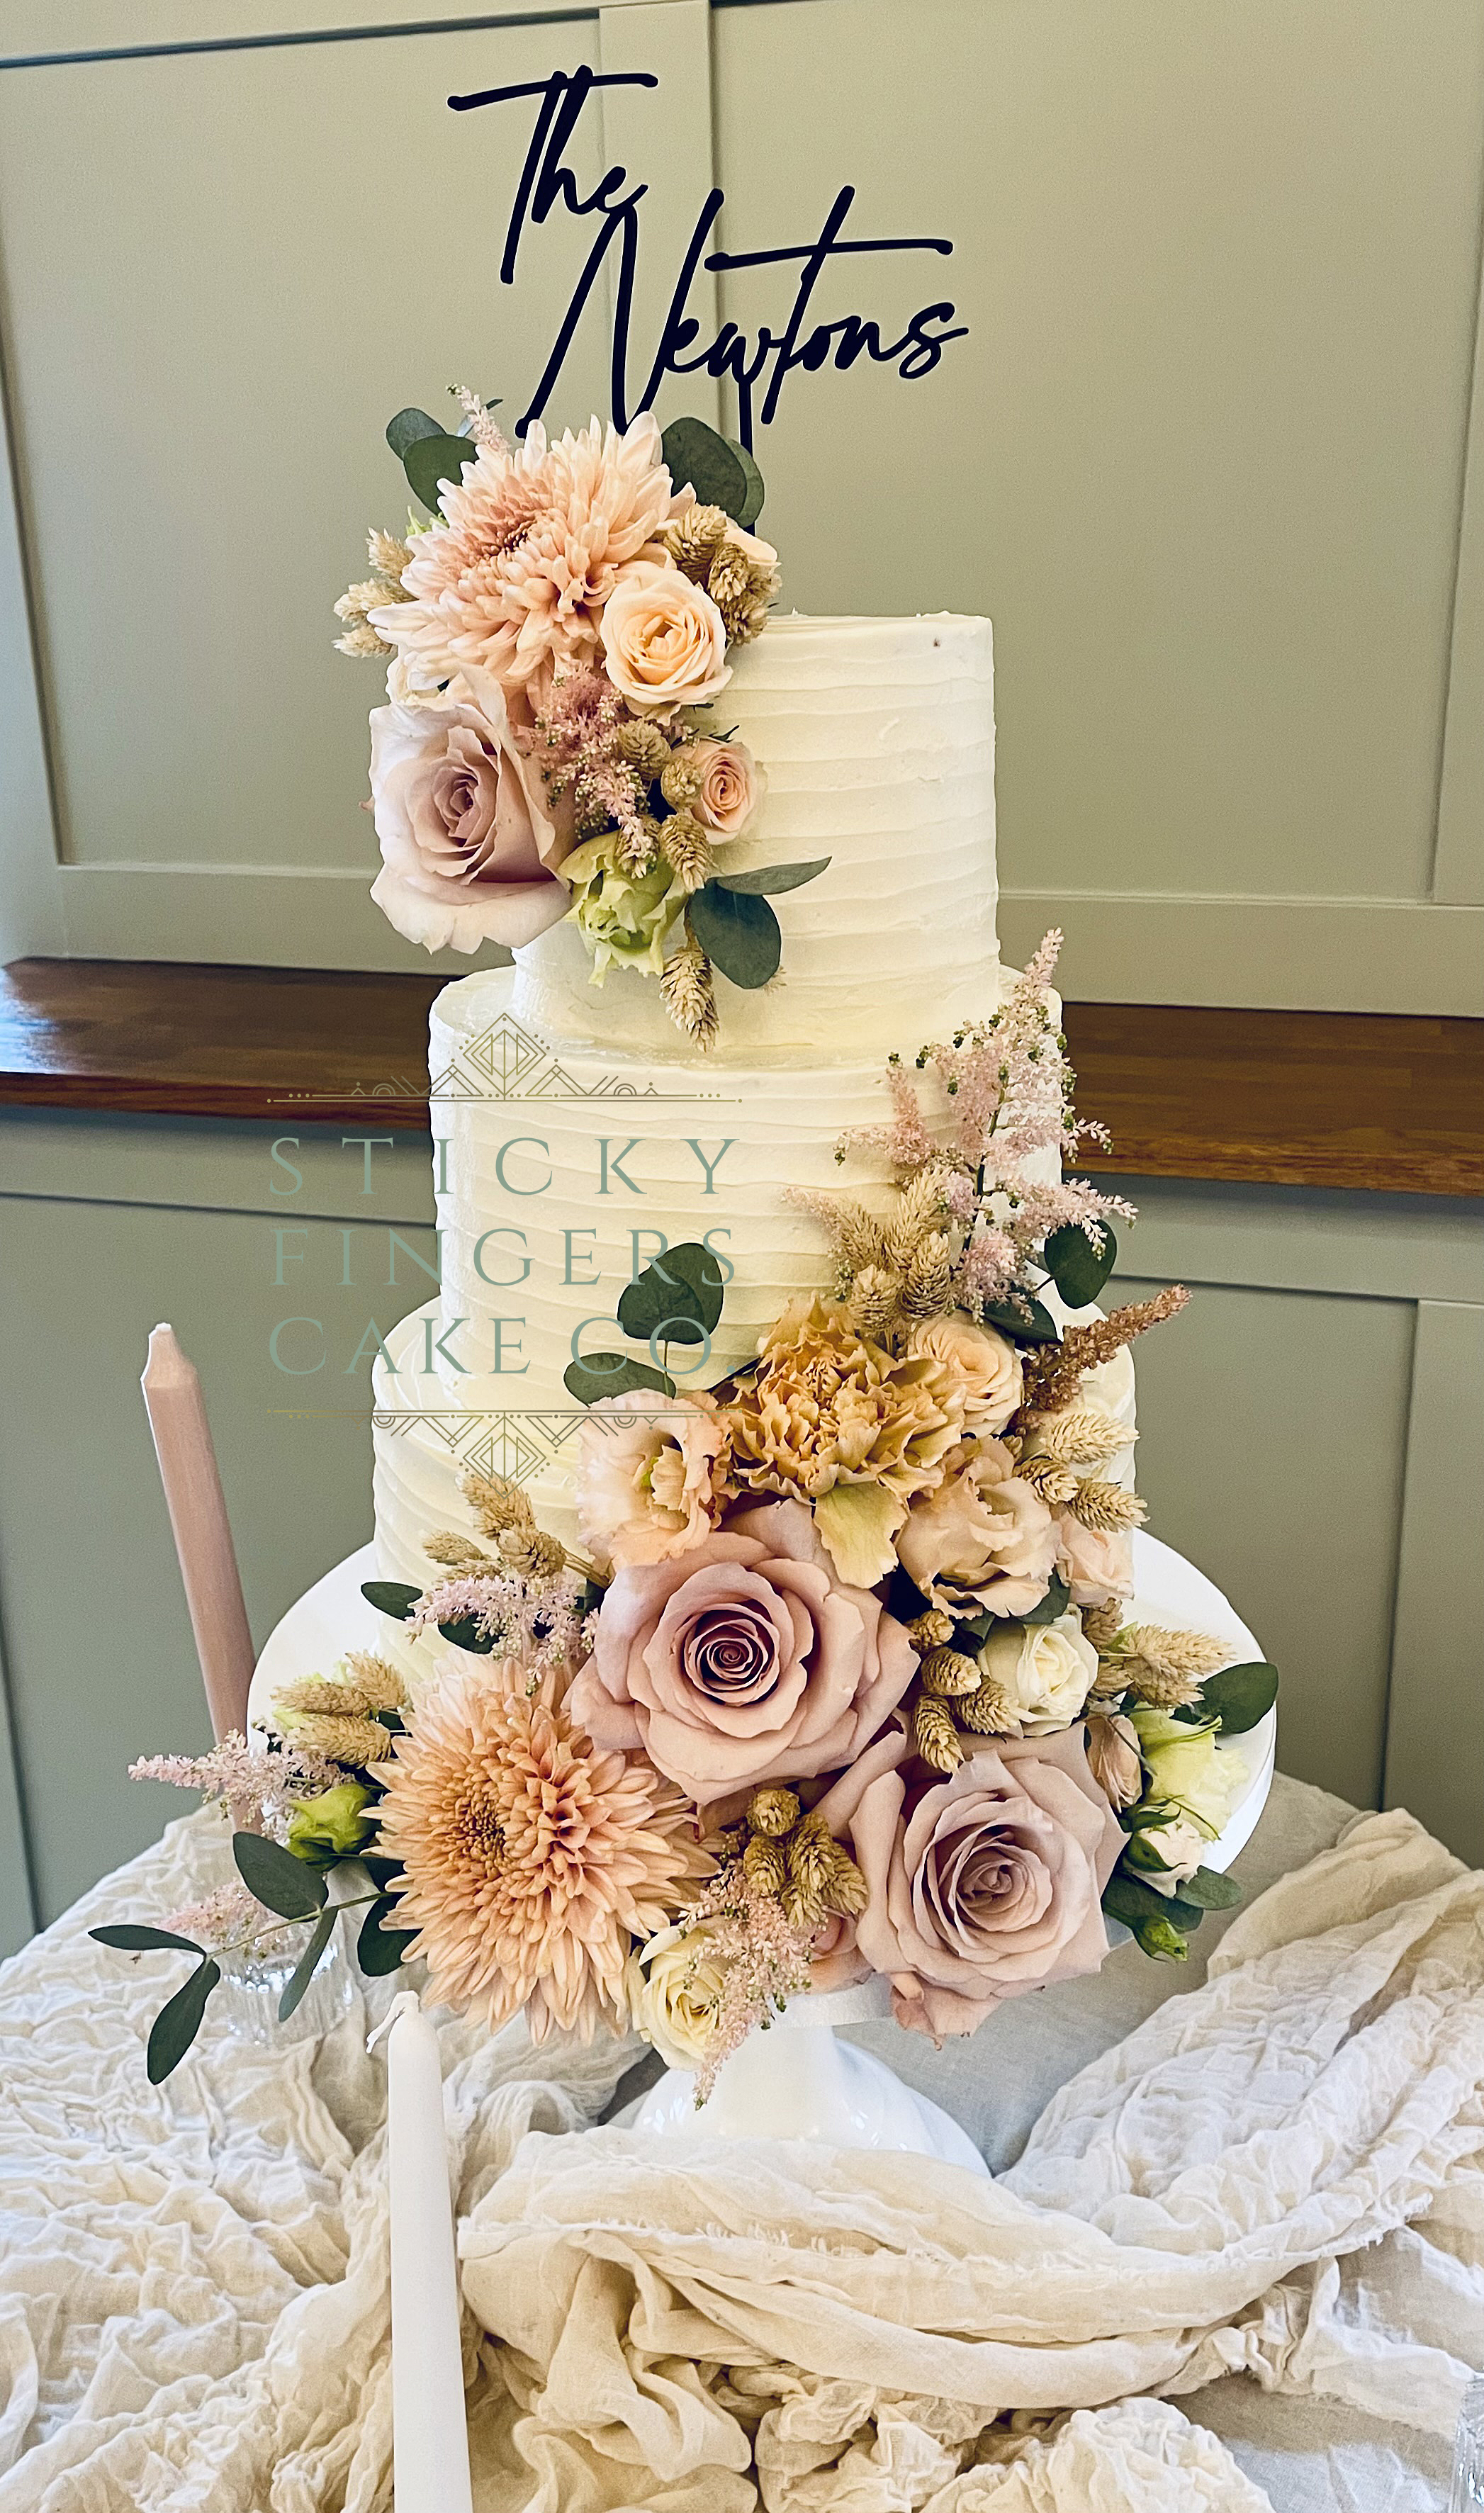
[1052, 1605]
[1077, 1265]
[1240, 1695]
[302, 1973]
[1023, 1320]
[391, 1597]
[740, 931]
[406, 427]
[676, 1298]
[1128, 1898]
[464, 1634]
[770, 880]
[612, 1373]
[1212, 1890]
[714, 468]
[133, 1940]
[431, 458]
[276, 1877]
[179, 2021]
[752, 503]
[379, 1949]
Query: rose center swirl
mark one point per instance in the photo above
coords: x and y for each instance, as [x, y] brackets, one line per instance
[729, 1651]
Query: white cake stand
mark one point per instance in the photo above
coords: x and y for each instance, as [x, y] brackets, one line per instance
[796, 2080]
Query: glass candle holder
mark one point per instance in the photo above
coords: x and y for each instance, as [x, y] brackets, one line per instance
[246, 2002]
[1469, 2453]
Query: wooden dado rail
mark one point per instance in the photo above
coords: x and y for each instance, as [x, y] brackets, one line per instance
[1387, 1101]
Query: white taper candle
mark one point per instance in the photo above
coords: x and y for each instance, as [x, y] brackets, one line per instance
[430, 2444]
[182, 1444]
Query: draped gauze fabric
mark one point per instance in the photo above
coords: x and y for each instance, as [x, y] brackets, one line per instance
[1279, 2175]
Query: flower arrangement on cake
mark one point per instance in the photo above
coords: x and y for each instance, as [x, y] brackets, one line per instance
[841, 1678]
[557, 637]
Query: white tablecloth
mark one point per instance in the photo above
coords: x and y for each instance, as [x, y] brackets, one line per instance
[193, 2297]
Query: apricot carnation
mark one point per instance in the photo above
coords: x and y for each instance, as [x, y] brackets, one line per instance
[532, 545]
[533, 1860]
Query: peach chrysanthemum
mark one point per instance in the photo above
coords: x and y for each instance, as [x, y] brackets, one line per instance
[530, 546]
[533, 1859]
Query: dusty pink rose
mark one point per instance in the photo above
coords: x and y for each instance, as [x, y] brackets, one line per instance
[664, 640]
[467, 847]
[983, 1538]
[731, 786]
[743, 1661]
[651, 1471]
[986, 1884]
[1097, 1565]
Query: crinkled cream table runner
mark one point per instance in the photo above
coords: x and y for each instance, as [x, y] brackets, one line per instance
[1245, 2247]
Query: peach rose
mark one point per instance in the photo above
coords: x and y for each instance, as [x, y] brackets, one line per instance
[986, 1366]
[987, 1883]
[649, 1472]
[731, 786]
[741, 1661]
[466, 850]
[665, 640]
[1097, 1565]
[980, 1539]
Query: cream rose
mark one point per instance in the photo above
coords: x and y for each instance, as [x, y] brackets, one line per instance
[731, 786]
[986, 1367]
[675, 1986]
[665, 640]
[466, 850]
[986, 1884]
[982, 1538]
[649, 1472]
[1044, 1670]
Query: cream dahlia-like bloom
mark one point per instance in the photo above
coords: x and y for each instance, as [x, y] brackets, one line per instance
[828, 1405]
[651, 1475]
[530, 547]
[533, 1859]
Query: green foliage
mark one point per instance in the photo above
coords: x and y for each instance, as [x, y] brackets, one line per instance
[179, 2021]
[721, 471]
[1213, 1891]
[739, 933]
[771, 880]
[379, 1949]
[612, 1373]
[391, 1597]
[277, 1878]
[1052, 1605]
[1131, 1900]
[408, 425]
[1239, 1695]
[752, 503]
[1078, 1266]
[1023, 1320]
[464, 1634]
[302, 1973]
[428, 460]
[676, 1300]
[132, 1939]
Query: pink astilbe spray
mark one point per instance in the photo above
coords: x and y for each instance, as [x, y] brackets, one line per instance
[540, 1623]
[765, 1961]
[1005, 1088]
[575, 745]
[255, 1791]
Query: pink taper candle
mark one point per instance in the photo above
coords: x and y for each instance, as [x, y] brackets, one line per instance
[182, 1443]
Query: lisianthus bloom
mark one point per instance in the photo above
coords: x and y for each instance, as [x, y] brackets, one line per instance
[1097, 1563]
[533, 1855]
[467, 851]
[651, 1475]
[530, 546]
[986, 1884]
[624, 915]
[1193, 1777]
[1045, 1672]
[743, 1661]
[982, 1539]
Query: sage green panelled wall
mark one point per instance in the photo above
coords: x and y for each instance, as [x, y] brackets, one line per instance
[1313, 1435]
[1210, 455]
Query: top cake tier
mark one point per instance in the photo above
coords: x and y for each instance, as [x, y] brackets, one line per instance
[877, 737]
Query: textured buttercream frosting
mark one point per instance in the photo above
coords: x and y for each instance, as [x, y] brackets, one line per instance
[877, 740]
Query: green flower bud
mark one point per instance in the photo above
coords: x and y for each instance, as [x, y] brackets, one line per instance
[331, 1825]
[1162, 1939]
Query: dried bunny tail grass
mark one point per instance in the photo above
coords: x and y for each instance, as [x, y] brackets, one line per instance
[695, 539]
[686, 850]
[1103, 1624]
[1054, 1372]
[1083, 1436]
[934, 1735]
[774, 1812]
[320, 1696]
[765, 1863]
[920, 1207]
[354, 1742]
[875, 1304]
[928, 1289]
[644, 747]
[455, 1552]
[381, 1686]
[689, 990]
[930, 1631]
[948, 1674]
[532, 1554]
[1107, 1507]
[987, 1712]
[855, 1234]
[497, 1501]
[1160, 1688]
[1049, 1481]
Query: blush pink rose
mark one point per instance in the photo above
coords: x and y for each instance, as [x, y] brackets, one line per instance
[745, 1659]
[986, 1884]
[466, 850]
[731, 786]
[983, 1538]
[1097, 1563]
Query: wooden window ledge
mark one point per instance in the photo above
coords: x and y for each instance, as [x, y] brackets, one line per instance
[1387, 1102]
